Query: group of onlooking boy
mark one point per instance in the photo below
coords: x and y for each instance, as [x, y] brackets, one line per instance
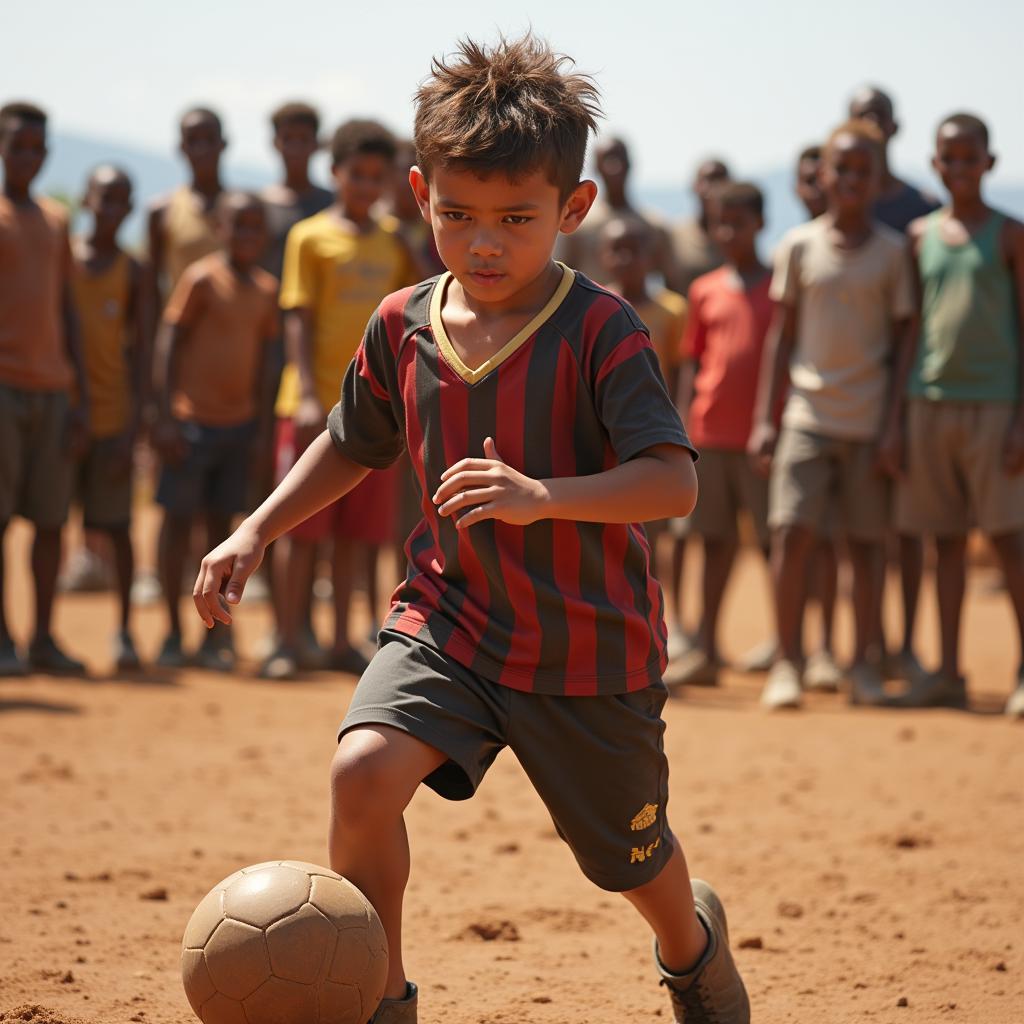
[843, 399]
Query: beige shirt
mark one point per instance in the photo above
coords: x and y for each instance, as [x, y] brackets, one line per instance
[848, 300]
[693, 255]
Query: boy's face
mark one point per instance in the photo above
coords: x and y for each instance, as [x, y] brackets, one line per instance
[23, 151]
[961, 160]
[625, 254]
[296, 141]
[874, 107]
[361, 180]
[850, 173]
[710, 175]
[201, 144]
[734, 228]
[613, 164]
[808, 187]
[244, 232]
[496, 235]
[109, 200]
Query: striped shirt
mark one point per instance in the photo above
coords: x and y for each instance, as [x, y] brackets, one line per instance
[556, 607]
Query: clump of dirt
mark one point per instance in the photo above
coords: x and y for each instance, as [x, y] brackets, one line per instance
[33, 1013]
[490, 931]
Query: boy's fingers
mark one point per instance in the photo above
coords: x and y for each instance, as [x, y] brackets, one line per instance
[239, 577]
[211, 596]
[491, 449]
[478, 515]
[465, 464]
[198, 600]
[467, 498]
[455, 484]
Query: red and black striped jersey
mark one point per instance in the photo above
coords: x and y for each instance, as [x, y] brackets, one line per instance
[557, 607]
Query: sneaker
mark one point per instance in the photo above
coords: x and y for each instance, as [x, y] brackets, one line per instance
[11, 662]
[45, 656]
[679, 643]
[782, 689]
[348, 660]
[1015, 705]
[904, 665]
[171, 654]
[146, 588]
[936, 690]
[759, 658]
[85, 573]
[713, 991]
[398, 1011]
[822, 673]
[216, 652]
[125, 656]
[867, 687]
[694, 668]
[279, 665]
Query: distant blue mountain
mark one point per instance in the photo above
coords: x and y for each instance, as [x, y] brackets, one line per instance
[73, 156]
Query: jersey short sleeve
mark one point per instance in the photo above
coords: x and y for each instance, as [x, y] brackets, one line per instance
[363, 425]
[298, 277]
[632, 401]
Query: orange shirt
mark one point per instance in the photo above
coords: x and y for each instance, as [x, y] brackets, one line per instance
[664, 314]
[35, 260]
[226, 320]
[103, 302]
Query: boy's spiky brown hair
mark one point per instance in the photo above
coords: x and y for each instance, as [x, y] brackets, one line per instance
[511, 108]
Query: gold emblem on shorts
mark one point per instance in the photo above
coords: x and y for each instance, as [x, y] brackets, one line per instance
[640, 853]
[645, 819]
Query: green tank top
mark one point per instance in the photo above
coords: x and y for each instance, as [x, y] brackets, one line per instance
[968, 348]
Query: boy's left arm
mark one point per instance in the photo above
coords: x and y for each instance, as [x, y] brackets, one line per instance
[1013, 451]
[905, 333]
[78, 434]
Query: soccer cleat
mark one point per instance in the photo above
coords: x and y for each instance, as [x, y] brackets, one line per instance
[1015, 705]
[936, 690]
[279, 665]
[712, 992]
[398, 1011]
[125, 656]
[867, 687]
[171, 654]
[45, 656]
[759, 658]
[11, 663]
[694, 668]
[782, 688]
[822, 673]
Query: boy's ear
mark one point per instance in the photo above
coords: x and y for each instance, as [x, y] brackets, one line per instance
[421, 190]
[577, 206]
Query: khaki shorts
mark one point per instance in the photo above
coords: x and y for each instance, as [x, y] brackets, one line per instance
[728, 485]
[815, 476]
[104, 486]
[597, 762]
[36, 470]
[954, 473]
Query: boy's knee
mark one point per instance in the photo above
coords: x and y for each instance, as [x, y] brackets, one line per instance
[363, 788]
[793, 540]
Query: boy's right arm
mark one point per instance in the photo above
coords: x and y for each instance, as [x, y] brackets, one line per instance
[321, 475]
[772, 380]
[310, 415]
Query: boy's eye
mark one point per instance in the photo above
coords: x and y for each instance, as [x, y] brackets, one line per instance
[515, 218]
[455, 215]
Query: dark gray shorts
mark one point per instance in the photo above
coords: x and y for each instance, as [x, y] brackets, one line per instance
[104, 486]
[598, 763]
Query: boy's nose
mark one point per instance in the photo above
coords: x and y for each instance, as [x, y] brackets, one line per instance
[485, 244]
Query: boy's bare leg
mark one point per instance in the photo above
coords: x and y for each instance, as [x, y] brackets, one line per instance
[1010, 549]
[719, 554]
[676, 574]
[911, 570]
[950, 579]
[175, 537]
[124, 563]
[45, 566]
[666, 903]
[866, 563]
[826, 577]
[791, 547]
[344, 552]
[296, 561]
[374, 774]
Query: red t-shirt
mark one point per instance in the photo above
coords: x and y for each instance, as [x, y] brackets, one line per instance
[725, 336]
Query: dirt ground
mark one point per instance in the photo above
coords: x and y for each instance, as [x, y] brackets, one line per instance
[870, 861]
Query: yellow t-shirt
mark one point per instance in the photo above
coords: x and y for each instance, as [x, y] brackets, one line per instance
[341, 278]
[103, 301]
[665, 316]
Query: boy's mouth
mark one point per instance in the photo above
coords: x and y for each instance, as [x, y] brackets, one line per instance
[486, 276]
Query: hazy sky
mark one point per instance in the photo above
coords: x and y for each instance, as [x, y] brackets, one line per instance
[680, 79]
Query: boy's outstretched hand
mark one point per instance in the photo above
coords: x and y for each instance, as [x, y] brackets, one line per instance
[223, 574]
[490, 489]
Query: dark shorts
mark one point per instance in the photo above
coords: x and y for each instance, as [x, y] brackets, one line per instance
[213, 476]
[104, 486]
[36, 470]
[598, 763]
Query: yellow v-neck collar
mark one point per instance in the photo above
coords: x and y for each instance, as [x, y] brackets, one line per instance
[507, 350]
